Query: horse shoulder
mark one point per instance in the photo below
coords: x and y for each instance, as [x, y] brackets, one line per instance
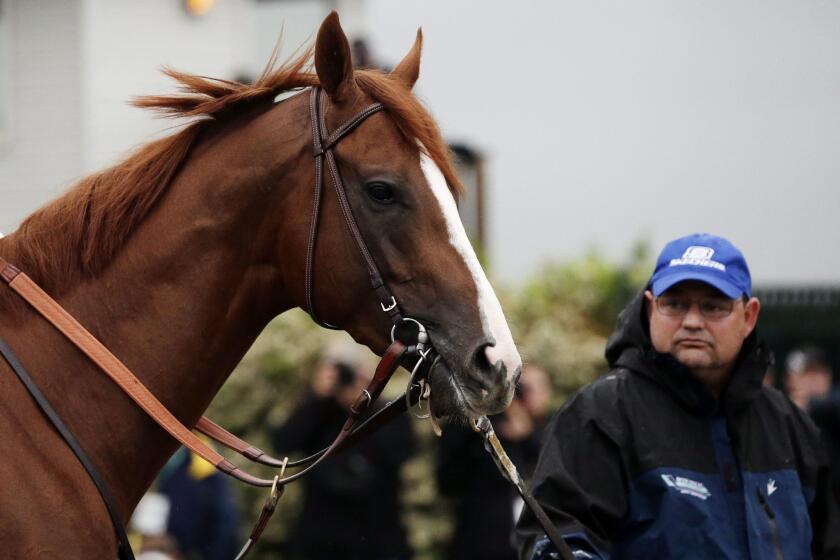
[48, 505]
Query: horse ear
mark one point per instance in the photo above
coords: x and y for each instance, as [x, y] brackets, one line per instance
[333, 62]
[408, 70]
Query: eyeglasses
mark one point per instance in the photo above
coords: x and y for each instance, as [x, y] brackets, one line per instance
[710, 307]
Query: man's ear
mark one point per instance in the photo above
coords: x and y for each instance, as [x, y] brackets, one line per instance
[648, 303]
[751, 309]
[333, 62]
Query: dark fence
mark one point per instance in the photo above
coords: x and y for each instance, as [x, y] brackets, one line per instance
[794, 317]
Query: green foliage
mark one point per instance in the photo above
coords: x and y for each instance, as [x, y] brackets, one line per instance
[563, 315]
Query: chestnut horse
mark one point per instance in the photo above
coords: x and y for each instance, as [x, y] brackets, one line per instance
[177, 258]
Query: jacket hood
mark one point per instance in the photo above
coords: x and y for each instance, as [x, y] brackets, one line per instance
[629, 347]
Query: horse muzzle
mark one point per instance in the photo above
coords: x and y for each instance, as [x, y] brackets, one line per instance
[475, 389]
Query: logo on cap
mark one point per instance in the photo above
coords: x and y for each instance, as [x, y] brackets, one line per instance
[698, 256]
[695, 252]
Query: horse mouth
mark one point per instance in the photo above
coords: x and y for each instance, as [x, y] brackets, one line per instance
[453, 397]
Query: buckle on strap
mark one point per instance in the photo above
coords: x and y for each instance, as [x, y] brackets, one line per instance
[8, 271]
[390, 306]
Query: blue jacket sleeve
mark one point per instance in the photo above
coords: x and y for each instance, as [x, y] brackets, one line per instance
[580, 547]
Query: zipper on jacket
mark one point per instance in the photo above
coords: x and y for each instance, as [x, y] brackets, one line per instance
[774, 526]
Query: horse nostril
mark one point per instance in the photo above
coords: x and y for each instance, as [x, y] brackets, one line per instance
[492, 361]
[488, 367]
[501, 363]
[492, 356]
[479, 363]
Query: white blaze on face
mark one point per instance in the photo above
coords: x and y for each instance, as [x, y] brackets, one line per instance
[492, 317]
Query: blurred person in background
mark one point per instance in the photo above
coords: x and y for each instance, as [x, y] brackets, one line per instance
[680, 451]
[808, 375]
[809, 382]
[351, 504]
[203, 512]
[533, 393]
[486, 505]
[147, 529]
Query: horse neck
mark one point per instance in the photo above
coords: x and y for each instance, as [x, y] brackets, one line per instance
[187, 295]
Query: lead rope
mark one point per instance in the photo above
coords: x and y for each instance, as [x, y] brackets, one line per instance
[267, 511]
[68, 326]
[494, 447]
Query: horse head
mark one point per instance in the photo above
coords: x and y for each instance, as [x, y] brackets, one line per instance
[401, 188]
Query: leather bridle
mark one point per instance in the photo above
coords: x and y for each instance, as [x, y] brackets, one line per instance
[356, 425]
[324, 144]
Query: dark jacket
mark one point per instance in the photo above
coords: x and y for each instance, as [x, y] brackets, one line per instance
[645, 463]
[203, 515]
[826, 414]
[351, 506]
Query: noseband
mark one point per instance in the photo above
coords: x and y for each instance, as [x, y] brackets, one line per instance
[324, 144]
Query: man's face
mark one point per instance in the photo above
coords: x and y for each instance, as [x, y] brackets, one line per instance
[692, 322]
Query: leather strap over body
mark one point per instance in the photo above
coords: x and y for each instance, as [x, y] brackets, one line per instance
[126, 380]
[124, 552]
[116, 370]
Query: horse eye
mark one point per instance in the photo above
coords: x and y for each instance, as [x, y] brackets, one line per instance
[382, 193]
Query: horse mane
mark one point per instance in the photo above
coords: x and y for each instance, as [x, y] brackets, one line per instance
[78, 235]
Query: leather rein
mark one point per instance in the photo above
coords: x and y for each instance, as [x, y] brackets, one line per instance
[357, 424]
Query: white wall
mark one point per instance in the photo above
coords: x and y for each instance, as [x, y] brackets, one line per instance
[296, 21]
[71, 67]
[609, 122]
[68, 69]
[125, 43]
[40, 146]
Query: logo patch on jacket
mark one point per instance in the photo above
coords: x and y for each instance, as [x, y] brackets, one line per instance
[687, 486]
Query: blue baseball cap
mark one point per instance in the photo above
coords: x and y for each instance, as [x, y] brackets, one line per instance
[704, 257]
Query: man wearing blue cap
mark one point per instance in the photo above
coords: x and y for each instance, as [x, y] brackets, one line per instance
[680, 452]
